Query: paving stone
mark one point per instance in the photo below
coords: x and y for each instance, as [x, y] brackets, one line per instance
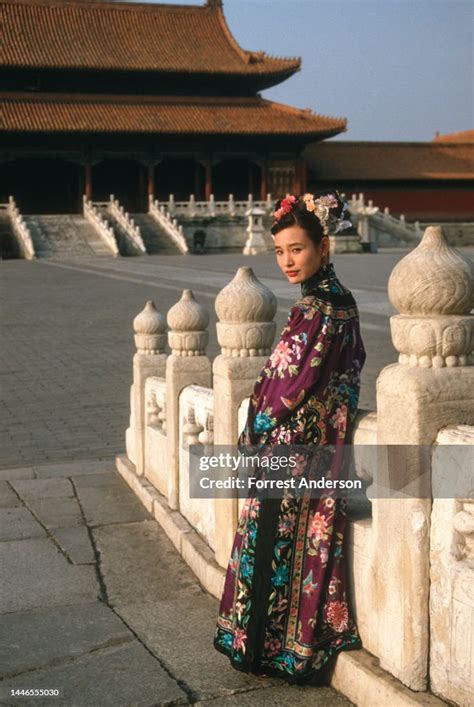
[107, 479]
[8, 498]
[57, 513]
[44, 488]
[76, 468]
[17, 473]
[76, 544]
[114, 505]
[37, 638]
[35, 574]
[19, 523]
[190, 652]
[139, 563]
[283, 695]
[121, 675]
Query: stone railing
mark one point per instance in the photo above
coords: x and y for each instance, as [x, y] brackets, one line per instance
[20, 230]
[378, 228]
[452, 567]
[409, 587]
[168, 223]
[127, 224]
[213, 208]
[93, 214]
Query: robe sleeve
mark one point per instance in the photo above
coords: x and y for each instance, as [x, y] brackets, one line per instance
[309, 343]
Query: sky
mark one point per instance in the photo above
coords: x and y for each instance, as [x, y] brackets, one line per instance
[396, 69]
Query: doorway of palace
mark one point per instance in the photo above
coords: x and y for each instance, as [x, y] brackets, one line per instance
[180, 177]
[42, 186]
[239, 177]
[125, 179]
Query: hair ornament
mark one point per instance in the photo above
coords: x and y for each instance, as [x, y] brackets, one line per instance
[320, 207]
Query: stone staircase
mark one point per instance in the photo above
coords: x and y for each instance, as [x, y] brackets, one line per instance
[156, 240]
[64, 236]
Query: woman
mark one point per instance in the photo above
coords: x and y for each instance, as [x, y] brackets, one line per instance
[284, 610]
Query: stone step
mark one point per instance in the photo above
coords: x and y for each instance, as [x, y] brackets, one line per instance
[65, 236]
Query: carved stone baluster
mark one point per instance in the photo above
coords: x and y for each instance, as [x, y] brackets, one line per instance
[187, 365]
[191, 429]
[245, 332]
[153, 411]
[150, 360]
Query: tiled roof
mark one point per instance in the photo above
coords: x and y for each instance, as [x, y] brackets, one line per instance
[358, 161]
[165, 115]
[53, 34]
[464, 136]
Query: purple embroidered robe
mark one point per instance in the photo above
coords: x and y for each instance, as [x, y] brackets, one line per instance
[284, 608]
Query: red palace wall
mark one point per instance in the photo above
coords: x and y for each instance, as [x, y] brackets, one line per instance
[447, 203]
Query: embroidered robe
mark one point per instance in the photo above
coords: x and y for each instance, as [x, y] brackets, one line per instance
[284, 609]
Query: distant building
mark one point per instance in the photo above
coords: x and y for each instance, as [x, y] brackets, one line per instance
[139, 99]
[423, 180]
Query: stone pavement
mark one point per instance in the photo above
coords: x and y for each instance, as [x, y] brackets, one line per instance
[95, 602]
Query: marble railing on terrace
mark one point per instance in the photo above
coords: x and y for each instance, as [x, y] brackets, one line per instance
[374, 227]
[100, 224]
[166, 219]
[127, 225]
[410, 556]
[379, 228]
[20, 229]
[212, 208]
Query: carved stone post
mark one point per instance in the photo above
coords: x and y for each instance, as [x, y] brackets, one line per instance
[245, 332]
[187, 365]
[150, 360]
[429, 388]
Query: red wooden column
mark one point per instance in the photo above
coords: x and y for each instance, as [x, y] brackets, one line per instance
[88, 179]
[151, 179]
[208, 183]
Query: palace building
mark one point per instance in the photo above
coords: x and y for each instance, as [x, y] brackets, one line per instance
[139, 99]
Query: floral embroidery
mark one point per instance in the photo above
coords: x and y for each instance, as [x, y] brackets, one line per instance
[239, 639]
[263, 421]
[339, 420]
[318, 526]
[338, 616]
[308, 585]
[281, 356]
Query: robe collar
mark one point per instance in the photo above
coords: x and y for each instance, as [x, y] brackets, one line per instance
[320, 279]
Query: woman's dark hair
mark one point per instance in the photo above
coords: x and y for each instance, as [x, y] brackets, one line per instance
[307, 220]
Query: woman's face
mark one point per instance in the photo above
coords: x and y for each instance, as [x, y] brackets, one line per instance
[297, 255]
